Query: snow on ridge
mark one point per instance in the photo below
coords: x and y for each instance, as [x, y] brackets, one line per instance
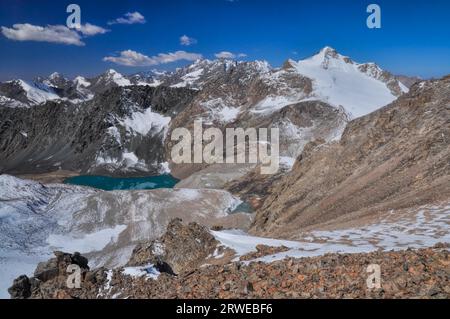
[85, 243]
[11, 103]
[220, 110]
[228, 114]
[242, 243]
[403, 87]
[139, 122]
[81, 81]
[164, 168]
[419, 228]
[189, 79]
[145, 122]
[117, 78]
[126, 160]
[272, 103]
[339, 81]
[35, 94]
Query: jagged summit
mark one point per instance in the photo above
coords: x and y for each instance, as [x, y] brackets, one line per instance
[327, 76]
[328, 51]
[54, 75]
[329, 57]
[111, 72]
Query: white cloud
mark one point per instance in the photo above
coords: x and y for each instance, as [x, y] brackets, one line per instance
[133, 58]
[51, 33]
[129, 18]
[90, 29]
[185, 40]
[229, 55]
[225, 55]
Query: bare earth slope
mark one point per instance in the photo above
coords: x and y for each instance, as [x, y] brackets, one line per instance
[395, 158]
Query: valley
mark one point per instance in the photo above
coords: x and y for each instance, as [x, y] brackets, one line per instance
[86, 167]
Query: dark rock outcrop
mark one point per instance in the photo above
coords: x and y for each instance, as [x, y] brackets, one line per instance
[50, 278]
[182, 248]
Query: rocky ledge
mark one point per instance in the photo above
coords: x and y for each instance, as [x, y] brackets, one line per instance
[187, 262]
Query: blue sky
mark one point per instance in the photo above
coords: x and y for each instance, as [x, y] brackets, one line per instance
[414, 38]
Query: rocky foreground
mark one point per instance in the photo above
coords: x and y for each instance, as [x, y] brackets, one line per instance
[186, 262]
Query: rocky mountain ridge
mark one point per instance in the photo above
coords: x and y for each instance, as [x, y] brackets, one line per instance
[394, 158]
[200, 274]
[111, 133]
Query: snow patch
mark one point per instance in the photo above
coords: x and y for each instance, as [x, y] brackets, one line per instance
[287, 162]
[425, 228]
[149, 272]
[228, 114]
[81, 82]
[164, 168]
[85, 242]
[35, 94]
[11, 103]
[144, 122]
[118, 78]
[338, 81]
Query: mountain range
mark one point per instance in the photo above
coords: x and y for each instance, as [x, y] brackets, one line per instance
[365, 169]
[115, 124]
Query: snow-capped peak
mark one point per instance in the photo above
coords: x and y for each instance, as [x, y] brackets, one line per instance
[34, 93]
[330, 58]
[54, 76]
[328, 50]
[359, 88]
[289, 64]
[81, 81]
[116, 77]
[112, 72]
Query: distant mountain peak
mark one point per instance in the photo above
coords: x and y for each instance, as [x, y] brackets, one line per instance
[111, 72]
[54, 75]
[328, 50]
[289, 64]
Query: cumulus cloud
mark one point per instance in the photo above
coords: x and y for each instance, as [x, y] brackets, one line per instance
[229, 55]
[133, 58]
[225, 55]
[129, 18]
[51, 33]
[185, 40]
[90, 29]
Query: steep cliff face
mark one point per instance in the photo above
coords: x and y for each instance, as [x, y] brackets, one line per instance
[119, 131]
[397, 157]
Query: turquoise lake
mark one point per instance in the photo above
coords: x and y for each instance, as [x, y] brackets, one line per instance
[129, 183]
